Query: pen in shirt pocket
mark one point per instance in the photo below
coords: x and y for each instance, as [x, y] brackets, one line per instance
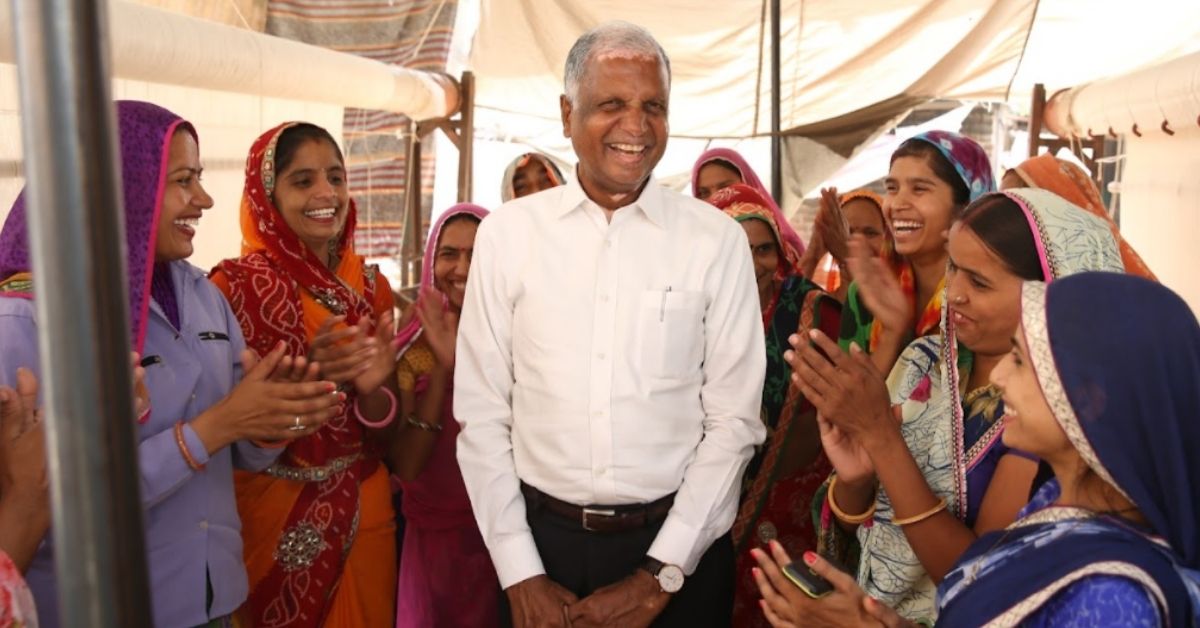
[662, 306]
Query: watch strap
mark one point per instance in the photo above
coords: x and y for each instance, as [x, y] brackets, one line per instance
[652, 565]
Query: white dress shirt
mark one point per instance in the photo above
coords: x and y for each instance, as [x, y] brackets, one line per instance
[608, 363]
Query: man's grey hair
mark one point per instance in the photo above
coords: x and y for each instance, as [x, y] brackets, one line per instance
[614, 36]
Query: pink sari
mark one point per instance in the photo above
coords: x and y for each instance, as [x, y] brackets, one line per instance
[446, 574]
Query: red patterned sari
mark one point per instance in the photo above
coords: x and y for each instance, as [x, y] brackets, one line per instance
[318, 525]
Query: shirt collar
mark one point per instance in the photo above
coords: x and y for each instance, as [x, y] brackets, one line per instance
[650, 201]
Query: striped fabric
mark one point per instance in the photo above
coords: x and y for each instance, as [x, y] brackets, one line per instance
[410, 33]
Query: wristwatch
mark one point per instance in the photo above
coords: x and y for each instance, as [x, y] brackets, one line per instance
[670, 577]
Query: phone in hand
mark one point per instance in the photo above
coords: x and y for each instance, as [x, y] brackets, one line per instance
[807, 580]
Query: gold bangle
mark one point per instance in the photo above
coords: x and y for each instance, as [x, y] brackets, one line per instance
[941, 505]
[850, 519]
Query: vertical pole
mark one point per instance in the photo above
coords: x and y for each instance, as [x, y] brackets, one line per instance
[411, 250]
[1037, 114]
[776, 140]
[466, 137]
[77, 237]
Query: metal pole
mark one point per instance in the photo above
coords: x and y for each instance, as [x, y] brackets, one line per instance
[776, 140]
[466, 137]
[411, 249]
[77, 238]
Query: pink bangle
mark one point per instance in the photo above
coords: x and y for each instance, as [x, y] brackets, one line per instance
[385, 421]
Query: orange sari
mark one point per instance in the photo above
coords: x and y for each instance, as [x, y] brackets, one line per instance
[318, 525]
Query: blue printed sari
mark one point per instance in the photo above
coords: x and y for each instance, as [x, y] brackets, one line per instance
[1117, 358]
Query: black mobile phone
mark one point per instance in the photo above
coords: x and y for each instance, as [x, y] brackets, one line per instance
[808, 580]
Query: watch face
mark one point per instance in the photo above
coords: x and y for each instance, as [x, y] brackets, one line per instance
[670, 578]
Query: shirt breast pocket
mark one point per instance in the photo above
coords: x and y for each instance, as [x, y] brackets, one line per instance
[671, 328]
[216, 352]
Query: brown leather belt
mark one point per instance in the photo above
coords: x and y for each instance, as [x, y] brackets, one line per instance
[604, 519]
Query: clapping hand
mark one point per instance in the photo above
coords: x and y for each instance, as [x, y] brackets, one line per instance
[24, 481]
[846, 389]
[350, 355]
[879, 288]
[440, 326]
[830, 223]
[275, 401]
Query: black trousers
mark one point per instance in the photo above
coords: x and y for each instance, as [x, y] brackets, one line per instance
[583, 561]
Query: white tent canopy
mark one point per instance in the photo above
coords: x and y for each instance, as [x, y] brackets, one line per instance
[864, 59]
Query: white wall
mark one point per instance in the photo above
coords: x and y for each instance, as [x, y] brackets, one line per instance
[1160, 207]
[227, 124]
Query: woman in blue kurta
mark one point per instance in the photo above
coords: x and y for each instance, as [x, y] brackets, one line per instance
[1101, 384]
[201, 419]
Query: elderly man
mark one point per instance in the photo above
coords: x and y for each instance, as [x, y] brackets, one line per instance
[610, 367]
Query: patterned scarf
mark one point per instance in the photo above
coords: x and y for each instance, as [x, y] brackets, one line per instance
[742, 202]
[280, 291]
[1072, 183]
[750, 178]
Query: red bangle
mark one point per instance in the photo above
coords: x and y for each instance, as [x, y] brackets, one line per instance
[183, 448]
[385, 421]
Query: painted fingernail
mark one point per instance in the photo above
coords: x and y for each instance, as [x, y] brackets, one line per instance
[330, 387]
[809, 558]
[814, 334]
[756, 571]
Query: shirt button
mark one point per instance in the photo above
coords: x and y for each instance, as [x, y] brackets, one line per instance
[602, 356]
[604, 470]
[604, 298]
[203, 525]
[193, 396]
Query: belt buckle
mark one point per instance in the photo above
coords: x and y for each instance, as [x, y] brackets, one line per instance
[598, 512]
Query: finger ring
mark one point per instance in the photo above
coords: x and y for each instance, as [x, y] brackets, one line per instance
[298, 427]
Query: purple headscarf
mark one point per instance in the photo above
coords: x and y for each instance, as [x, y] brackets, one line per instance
[405, 336]
[968, 158]
[750, 178]
[145, 132]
